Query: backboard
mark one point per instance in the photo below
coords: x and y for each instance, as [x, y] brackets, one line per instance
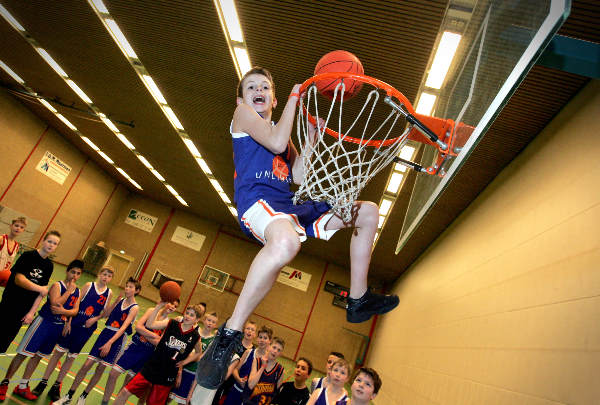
[501, 40]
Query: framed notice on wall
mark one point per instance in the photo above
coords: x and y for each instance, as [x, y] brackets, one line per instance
[53, 167]
[294, 278]
[141, 220]
[187, 238]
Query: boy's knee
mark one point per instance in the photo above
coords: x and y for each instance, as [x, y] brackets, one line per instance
[286, 246]
[369, 212]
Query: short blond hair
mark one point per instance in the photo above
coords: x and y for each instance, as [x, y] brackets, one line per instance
[22, 220]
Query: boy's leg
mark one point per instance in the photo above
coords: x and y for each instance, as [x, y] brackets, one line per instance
[122, 397]
[282, 246]
[80, 376]
[363, 304]
[110, 384]
[94, 380]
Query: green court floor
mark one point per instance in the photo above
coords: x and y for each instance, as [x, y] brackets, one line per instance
[95, 395]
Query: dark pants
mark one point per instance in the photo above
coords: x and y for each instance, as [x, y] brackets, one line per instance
[11, 323]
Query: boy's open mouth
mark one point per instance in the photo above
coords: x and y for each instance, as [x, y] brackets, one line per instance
[258, 100]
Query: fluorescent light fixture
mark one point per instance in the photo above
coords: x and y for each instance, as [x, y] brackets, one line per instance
[375, 238]
[118, 36]
[157, 174]
[153, 88]
[426, 102]
[10, 72]
[90, 143]
[51, 62]
[144, 161]
[225, 198]
[105, 156]
[172, 117]
[242, 59]
[181, 200]
[395, 181]
[47, 105]
[232, 21]
[385, 206]
[8, 17]
[79, 92]
[109, 124]
[132, 181]
[171, 189]
[232, 210]
[381, 221]
[442, 59]
[216, 185]
[125, 141]
[98, 5]
[407, 152]
[67, 122]
[203, 165]
[190, 145]
[399, 167]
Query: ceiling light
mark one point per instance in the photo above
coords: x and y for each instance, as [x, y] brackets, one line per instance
[51, 62]
[125, 141]
[216, 185]
[172, 117]
[144, 161]
[232, 21]
[225, 198]
[120, 38]
[442, 59]
[4, 12]
[11, 73]
[105, 156]
[399, 167]
[67, 122]
[79, 92]
[203, 165]
[407, 152]
[132, 181]
[47, 105]
[153, 88]
[381, 221]
[90, 143]
[171, 189]
[181, 200]
[98, 5]
[232, 210]
[157, 174]
[426, 102]
[395, 181]
[190, 145]
[109, 124]
[243, 60]
[385, 206]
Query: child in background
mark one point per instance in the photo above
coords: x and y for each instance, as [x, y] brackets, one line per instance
[266, 375]
[365, 386]
[95, 297]
[9, 248]
[323, 381]
[334, 393]
[295, 392]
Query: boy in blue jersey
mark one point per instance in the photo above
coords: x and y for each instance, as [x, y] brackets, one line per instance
[47, 327]
[109, 343]
[266, 163]
[94, 300]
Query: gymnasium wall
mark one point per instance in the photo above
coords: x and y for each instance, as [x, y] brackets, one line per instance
[503, 308]
[81, 208]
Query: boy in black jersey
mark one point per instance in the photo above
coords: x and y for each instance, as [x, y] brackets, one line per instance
[163, 370]
[295, 392]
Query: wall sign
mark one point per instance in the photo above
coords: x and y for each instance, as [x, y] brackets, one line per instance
[294, 278]
[54, 168]
[141, 220]
[187, 238]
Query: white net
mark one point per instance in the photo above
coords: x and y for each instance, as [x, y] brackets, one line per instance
[337, 166]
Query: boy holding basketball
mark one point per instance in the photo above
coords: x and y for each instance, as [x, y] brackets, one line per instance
[266, 163]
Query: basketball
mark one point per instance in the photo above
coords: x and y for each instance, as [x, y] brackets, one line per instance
[339, 61]
[169, 291]
[4, 276]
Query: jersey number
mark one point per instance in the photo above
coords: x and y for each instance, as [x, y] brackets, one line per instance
[101, 300]
[73, 301]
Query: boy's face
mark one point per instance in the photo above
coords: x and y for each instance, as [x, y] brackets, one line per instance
[301, 371]
[50, 244]
[190, 316]
[274, 350]
[130, 290]
[257, 92]
[105, 276]
[338, 375]
[171, 306]
[73, 274]
[363, 387]
[210, 322]
[250, 331]
[17, 228]
[263, 340]
[330, 360]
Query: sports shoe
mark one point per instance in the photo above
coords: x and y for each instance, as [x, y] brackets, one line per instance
[213, 365]
[81, 400]
[39, 389]
[24, 393]
[65, 400]
[54, 392]
[363, 308]
[3, 389]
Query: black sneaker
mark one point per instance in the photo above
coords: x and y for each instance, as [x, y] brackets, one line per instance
[363, 308]
[37, 391]
[213, 365]
[54, 392]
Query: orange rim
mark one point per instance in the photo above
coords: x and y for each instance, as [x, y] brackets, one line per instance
[389, 90]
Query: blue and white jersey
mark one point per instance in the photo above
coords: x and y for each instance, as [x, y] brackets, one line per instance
[259, 173]
[46, 312]
[118, 316]
[92, 304]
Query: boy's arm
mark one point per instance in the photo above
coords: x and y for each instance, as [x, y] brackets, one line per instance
[73, 311]
[274, 138]
[152, 322]
[106, 347]
[113, 304]
[28, 318]
[140, 325]
[21, 281]
[297, 160]
[256, 373]
[236, 371]
[281, 379]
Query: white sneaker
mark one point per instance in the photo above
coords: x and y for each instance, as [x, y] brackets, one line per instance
[81, 400]
[65, 400]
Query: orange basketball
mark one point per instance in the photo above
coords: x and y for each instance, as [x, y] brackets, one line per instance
[334, 62]
[169, 291]
[4, 276]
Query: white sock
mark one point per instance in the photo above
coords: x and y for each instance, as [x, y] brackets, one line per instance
[23, 383]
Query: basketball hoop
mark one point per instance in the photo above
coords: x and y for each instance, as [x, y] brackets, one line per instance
[337, 167]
